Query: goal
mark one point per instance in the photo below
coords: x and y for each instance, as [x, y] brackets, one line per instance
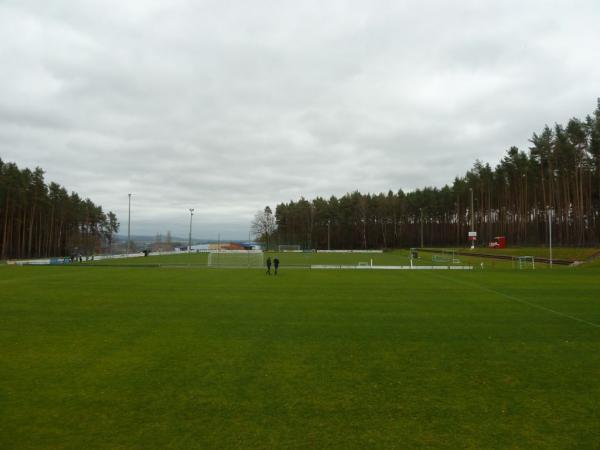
[445, 256]
[241, 258]
[289, 248]
[524, 262]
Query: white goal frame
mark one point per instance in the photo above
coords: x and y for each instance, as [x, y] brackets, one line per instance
[445, 256]
[524, 262]
[289, 248]
[236, 258]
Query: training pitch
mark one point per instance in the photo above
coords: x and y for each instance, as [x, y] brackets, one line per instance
[109, 356]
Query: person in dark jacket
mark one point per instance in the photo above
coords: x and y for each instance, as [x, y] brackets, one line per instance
[269, 265]
[276, 264]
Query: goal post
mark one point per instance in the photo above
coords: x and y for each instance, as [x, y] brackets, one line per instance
[241, 258]
[524, 262]
[289, 248]
[445, 256]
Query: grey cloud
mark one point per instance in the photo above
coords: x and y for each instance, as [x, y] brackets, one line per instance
[229, 106]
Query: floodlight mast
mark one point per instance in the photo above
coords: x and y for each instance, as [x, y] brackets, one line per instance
[190, 237]
[421, 210]
[550, 211]
[328, 234]
[472, 219]
[129, 225]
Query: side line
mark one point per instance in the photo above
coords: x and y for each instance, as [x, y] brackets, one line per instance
[524, 302]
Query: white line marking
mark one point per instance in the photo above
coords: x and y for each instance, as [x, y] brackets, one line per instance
[524, 302]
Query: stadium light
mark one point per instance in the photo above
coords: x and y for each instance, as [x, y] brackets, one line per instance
[190, 238]
[421, 209]
[129, 225]
[550, 212]
[328, 234]
[472, 219]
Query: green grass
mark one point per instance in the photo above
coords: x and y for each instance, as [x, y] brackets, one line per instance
[289, 259]
[109, 357]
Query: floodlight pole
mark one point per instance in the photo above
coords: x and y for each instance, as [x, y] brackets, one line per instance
[129, 225]
[328, 234]
[249, 246]
[472, 219]
[550, 234]
[421, 210]
[190, 238]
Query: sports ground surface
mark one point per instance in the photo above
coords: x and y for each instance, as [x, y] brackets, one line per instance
[191, 357]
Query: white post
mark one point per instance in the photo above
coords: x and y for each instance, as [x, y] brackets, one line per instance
[129, 226]
[190, 237]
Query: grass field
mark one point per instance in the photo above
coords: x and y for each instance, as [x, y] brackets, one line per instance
[142, 357]
[289, 259]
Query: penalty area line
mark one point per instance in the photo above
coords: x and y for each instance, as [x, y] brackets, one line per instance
[520, 300]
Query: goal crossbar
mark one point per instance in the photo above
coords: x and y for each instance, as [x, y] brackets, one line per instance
[289, 248]
[524, 262]
[236, 258]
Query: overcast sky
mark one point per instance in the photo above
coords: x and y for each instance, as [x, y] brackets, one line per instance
[228, 106]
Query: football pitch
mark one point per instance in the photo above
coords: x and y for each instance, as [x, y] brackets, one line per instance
[176, 357]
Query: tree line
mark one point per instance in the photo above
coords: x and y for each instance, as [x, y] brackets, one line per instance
[557, 177]
[41, 220]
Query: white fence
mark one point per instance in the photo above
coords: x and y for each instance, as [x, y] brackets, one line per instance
[46, 261]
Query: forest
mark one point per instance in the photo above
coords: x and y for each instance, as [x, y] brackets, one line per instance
[556, 181]
[40, 220]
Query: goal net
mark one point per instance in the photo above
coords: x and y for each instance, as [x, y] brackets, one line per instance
[289, 248]
[524, 262]
[445, 256]
[241, 258]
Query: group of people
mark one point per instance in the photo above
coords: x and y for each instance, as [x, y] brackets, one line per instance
[78, 257]
[275, 264]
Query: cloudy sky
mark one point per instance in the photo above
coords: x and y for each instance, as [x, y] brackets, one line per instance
[228, 106]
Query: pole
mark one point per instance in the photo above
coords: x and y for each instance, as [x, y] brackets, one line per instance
[190, 238]
[328, 234]
[472, 219]
[550, 234]
[129, 225]
[421, 209]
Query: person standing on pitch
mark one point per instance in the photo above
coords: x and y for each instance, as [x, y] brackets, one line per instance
[276, 264]
[269, 265]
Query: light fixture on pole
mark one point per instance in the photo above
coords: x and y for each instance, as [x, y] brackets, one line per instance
[421, 210]
[550, 212]
[129, 225]
[190, 237]
[473, 234]
[328, 234]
